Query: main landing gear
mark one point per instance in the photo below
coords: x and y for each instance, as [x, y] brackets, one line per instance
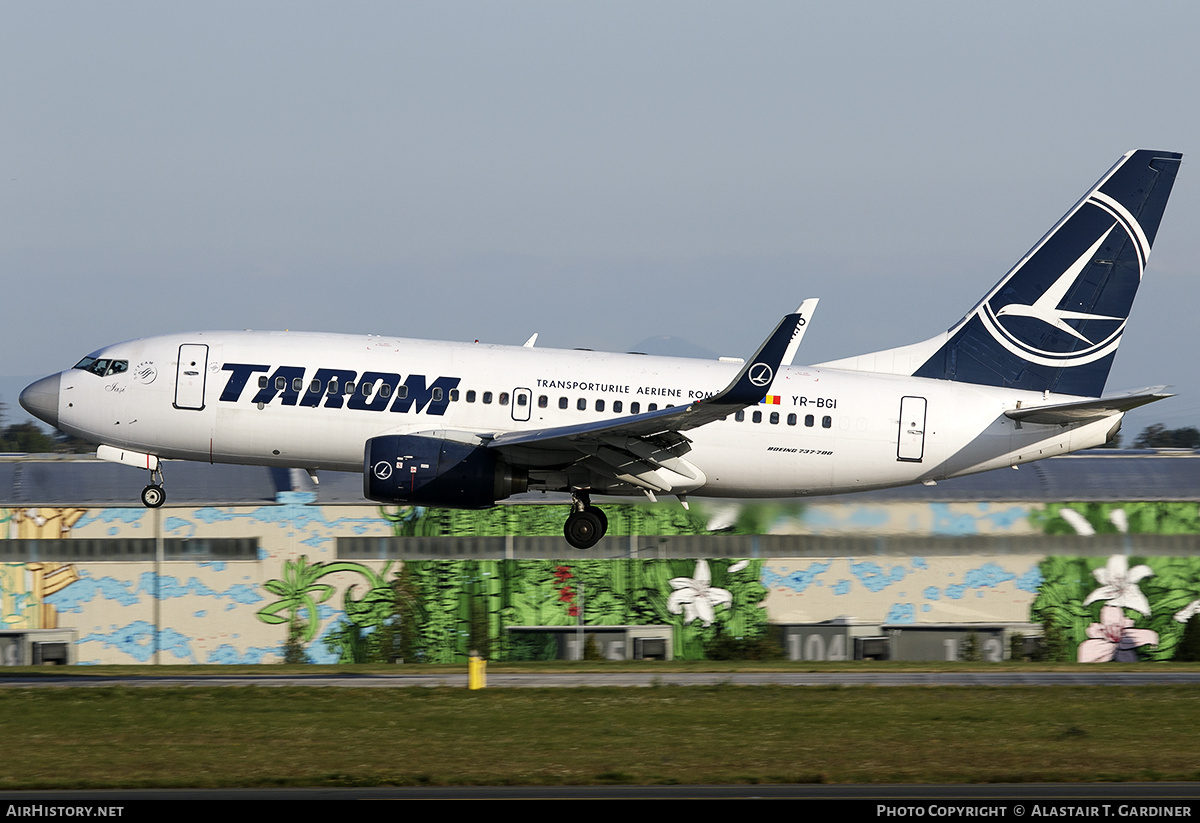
[586, 524]
[153, 495]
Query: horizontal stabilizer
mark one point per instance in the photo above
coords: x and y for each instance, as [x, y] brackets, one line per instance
[1085, 410]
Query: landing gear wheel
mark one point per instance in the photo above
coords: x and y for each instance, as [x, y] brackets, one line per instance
[153, 496]
[602, 516]
[583, 529]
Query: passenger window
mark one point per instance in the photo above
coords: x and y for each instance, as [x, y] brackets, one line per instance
[791, 419]
[543, 401]
[826, 422]
[617, 406]
[385, 390]
[280, 383]
[522, 399]
[487, 397]
[262, 381]
[402, 391]
[436, 394]
[315, 386]
[470, 395]
[298, 384]
[739, 416]
[333, 386]
[599, 405]
[349, 388]
[454, 395]
[581, 404]
[652, 407]
[774, 418]
[809, 420]
[635, 408]
[503, 398]
[562, 402]
[756, 417]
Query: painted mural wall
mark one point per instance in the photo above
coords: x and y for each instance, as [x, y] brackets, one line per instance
[1101, 607]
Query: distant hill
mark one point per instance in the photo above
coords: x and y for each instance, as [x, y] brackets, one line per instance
[669, 346]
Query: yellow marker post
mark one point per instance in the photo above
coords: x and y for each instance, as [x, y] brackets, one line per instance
[477, 673]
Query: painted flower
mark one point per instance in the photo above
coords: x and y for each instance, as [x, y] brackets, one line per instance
[1119, 519]
[1188, 612]
[1077, 522]
[1114, 638]
[1118, 585]
[696, 598]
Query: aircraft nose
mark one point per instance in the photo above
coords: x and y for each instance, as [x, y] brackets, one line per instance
[41, 399]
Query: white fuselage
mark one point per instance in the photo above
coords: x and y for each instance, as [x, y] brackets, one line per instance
[821, 431]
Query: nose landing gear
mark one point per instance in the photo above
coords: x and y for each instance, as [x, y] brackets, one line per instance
[153, 495]
[586, 524]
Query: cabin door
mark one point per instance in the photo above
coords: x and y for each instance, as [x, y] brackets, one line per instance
[189, 376]
[910, 443]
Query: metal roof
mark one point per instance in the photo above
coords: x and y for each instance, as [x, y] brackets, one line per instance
[73, 480]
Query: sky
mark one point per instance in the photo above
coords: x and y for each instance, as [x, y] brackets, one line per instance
[599, 173]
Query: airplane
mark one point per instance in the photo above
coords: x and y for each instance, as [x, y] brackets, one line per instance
[1019, 378]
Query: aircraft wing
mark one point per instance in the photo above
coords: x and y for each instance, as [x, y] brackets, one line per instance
[634, 447]
[1084, 410]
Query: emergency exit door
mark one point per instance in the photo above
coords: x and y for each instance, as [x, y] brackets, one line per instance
[522, 404]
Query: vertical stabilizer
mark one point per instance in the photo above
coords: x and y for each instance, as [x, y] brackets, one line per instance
[1053, 323]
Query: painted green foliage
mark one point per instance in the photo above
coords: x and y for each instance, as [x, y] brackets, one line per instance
[536, 521]
[1123, 606]
[554, 593]
[1153, 517]
[699, 599]
[1077, 595]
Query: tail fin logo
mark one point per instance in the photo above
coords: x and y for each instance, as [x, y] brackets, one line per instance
[1080, 313]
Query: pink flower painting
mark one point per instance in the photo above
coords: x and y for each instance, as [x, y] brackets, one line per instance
[1114, 638]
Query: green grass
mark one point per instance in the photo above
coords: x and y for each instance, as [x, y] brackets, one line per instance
[260, 736]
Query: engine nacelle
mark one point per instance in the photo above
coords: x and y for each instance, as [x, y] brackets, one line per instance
[434, 471]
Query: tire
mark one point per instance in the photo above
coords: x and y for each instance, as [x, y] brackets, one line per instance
[153, 497]
[603, 518]
[583, 529]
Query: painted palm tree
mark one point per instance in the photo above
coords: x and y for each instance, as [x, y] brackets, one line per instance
[300, 593]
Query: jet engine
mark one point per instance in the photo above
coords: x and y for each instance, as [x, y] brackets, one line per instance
[436, 471]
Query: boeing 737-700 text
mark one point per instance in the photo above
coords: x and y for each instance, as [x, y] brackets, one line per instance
[1020, 378]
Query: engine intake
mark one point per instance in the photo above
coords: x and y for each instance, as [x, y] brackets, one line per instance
[434, 471]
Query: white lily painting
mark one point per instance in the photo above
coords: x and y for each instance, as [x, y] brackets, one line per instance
[696, 597]
[1119, 585]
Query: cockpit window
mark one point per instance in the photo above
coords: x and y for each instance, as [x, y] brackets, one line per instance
[103, 366]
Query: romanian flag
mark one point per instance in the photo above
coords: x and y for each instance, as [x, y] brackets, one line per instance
[770, 400]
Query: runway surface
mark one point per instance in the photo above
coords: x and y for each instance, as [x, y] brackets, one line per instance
[1093, 677]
